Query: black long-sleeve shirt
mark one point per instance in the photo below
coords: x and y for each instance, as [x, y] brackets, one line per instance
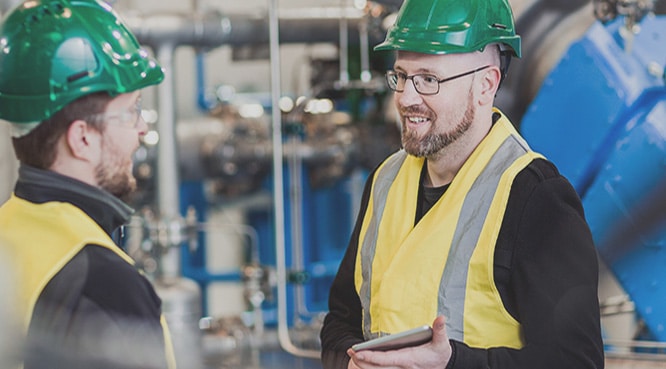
[545, 268]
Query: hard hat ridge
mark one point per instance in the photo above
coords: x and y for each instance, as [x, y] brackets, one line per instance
[452, 26]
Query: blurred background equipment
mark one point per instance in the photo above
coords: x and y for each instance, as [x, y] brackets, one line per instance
[272, 115]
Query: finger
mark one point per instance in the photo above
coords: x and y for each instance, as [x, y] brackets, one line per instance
[439, 330]
[360, 361]
[354, 361]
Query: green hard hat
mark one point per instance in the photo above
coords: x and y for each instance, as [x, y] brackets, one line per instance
[452, 26]
[53, 52]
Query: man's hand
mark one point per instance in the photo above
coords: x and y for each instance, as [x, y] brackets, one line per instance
[431, 355]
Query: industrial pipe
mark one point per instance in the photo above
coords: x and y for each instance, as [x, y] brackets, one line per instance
[278, 191]
[164, 33]
[215, 30]
[167, 162]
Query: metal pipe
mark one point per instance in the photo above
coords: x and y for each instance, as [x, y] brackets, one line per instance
[278, 191]
[214, 29]
[167, 174]
[344, 48]
[295, 170]
[364, 41]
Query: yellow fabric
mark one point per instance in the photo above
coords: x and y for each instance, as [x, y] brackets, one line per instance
[56, 232]
[497, 327]
[168, 344]
[402, 295]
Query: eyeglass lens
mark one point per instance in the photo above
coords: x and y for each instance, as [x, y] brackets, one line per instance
[424, 83]
[130, 117]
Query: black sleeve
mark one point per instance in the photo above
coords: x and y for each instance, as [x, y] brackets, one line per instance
[97, 312]
[343, 324]
[552, 279]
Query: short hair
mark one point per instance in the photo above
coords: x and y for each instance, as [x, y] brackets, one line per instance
[38, 148]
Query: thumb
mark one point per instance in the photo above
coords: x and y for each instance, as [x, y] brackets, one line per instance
[439, 330]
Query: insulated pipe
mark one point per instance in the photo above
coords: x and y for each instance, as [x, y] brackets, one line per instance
[278, 192]
[344, 48]
[167, 162]
[366, 75]
[214, 30]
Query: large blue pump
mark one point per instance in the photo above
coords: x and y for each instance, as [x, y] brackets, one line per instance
[600, 116]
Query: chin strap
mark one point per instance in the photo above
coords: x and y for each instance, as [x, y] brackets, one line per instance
[505, 60]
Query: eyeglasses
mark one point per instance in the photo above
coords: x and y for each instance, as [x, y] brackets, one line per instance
[425, 84]
[129, 118]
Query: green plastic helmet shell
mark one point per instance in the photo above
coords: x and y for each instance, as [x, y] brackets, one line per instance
[452, 26]
[53, 52]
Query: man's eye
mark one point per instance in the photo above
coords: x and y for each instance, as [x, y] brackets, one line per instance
[428, 78]
[401, 76]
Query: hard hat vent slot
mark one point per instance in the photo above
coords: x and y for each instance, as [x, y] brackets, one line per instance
[77, 76]
[44, 11]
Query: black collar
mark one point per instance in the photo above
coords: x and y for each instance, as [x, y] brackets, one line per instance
[40, 186]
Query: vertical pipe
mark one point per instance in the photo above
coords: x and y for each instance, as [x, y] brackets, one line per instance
[278, 190]
[295, 170]
[364, 44]
[167, 167]
[344, 45]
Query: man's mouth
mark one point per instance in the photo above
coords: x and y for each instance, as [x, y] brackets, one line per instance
[416, 121]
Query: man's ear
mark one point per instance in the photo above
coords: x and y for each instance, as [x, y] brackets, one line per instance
[79, 139]
[489, 85]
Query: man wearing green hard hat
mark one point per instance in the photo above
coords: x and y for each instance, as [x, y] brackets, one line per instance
[465, 229]
[71, 75]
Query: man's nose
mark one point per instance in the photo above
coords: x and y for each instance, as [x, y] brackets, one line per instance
[409, 96]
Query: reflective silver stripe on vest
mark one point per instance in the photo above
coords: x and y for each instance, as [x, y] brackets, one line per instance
[470, 224]
[383, 182]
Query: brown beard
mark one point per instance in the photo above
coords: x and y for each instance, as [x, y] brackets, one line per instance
[432, 143]
[114, 176]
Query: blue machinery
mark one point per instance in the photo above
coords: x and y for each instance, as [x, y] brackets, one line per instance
[600, 115]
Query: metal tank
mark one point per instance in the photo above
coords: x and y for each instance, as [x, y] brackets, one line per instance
[181, 306]
[150, 241]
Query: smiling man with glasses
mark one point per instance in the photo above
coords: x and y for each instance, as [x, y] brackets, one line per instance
[465, 228]
[71, 75]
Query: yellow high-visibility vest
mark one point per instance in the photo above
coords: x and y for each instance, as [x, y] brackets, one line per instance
[43, 238]
[408, 274]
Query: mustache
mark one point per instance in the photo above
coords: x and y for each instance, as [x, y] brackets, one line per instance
[417, 110]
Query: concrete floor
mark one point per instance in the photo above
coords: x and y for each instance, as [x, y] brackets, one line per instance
[238, 354]
[283, 360]
[276, 359]
[633, 363]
